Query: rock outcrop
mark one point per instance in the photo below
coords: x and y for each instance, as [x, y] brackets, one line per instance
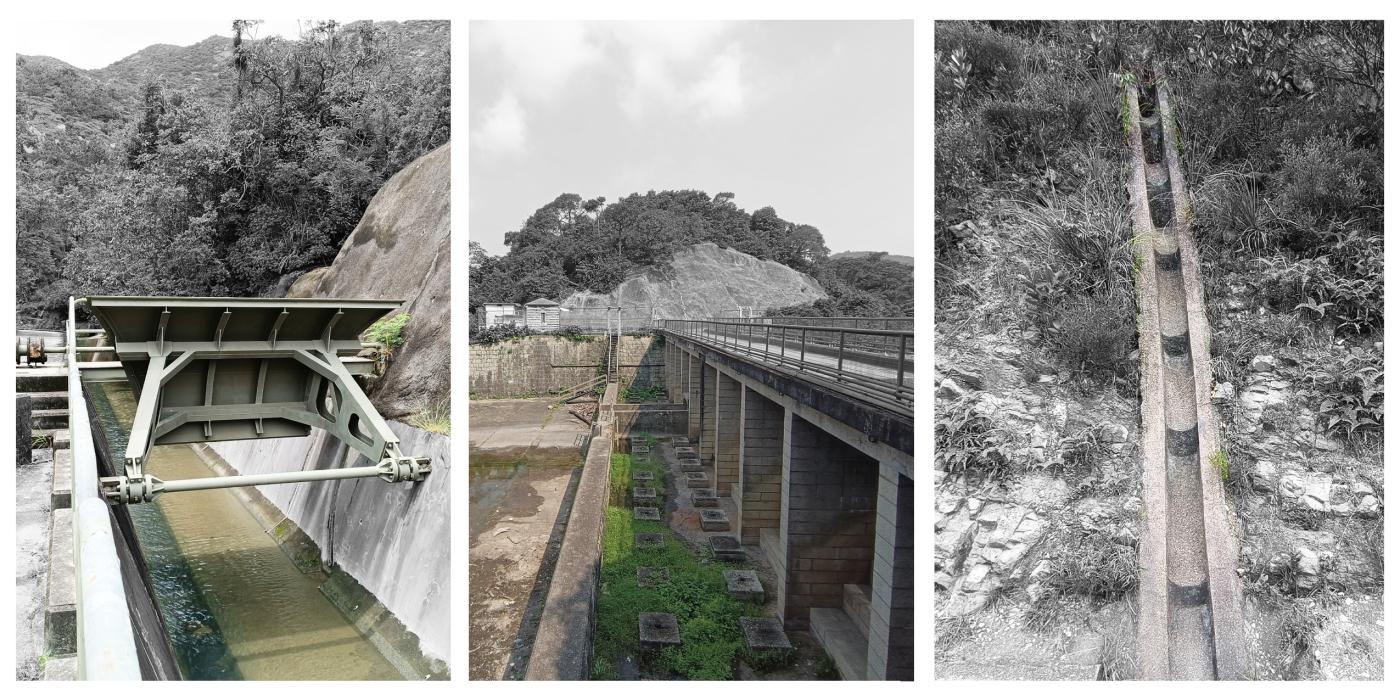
[706, 280]
[401, 250]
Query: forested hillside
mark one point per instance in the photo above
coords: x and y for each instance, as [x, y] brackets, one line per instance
[221, 168]
[575, 244]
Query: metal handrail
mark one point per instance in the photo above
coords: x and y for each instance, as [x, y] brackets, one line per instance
[106, 642]
[874, 365]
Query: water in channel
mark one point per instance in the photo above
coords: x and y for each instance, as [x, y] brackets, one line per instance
[235, 605]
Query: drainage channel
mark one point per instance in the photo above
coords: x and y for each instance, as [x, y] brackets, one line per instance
[1188, 552]
[235, 606]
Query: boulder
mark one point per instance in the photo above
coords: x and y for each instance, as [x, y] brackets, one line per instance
[1307, 568]
[704, 281]
[401, 249]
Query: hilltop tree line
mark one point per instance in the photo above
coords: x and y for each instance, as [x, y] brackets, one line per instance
[576, 244]
[196, 196]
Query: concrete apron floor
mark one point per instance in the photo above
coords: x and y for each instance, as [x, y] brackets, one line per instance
[1192, 655]
[524, 455]
[33, 506]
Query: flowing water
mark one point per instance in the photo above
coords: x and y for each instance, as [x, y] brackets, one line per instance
[235, 605]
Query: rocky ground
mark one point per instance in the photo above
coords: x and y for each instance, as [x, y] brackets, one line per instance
[1067, 448]
[1308, 506]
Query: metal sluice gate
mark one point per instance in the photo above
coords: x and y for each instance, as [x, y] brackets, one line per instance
[216, 369]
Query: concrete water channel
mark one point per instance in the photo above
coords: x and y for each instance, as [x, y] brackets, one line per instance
[1190, 622]
[234, 604]
[525, 462]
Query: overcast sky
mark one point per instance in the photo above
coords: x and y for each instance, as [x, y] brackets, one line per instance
[92, 44]
[813, 118]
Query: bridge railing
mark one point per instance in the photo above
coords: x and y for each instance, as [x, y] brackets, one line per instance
[873, 364]
[870, 323]
[106, 643]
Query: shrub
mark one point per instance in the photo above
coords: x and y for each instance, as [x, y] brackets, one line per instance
[1095, 333]
[436, 418]
[993, 59]
[1089, 564]
[1322, 180]
[572, 332]
[388, 331]
[1350, 393]
[495, 334]
[969, 440]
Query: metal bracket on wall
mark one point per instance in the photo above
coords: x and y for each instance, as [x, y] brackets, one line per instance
[213, 369]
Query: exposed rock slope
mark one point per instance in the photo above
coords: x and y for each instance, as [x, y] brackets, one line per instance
[401, 250]
[706, 280]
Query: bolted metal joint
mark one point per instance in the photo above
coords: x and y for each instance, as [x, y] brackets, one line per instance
[396, 469]
[123, 489]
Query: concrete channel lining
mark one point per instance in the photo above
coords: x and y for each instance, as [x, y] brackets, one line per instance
[1152, 554]
[1221, 545]
[563, 646]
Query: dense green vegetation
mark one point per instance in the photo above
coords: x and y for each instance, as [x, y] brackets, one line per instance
[216, 180]
[573, 244]
[1281, 131]
[695, 593]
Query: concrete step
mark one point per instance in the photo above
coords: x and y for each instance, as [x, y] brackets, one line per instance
[59, 436]
[47, 418]
[855, 600]
[41, 380]
[61, 616]
[48, 399]
[61, 668]
[61, 493]
[842, 640]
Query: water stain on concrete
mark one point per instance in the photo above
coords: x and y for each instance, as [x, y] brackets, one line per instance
[525, 454]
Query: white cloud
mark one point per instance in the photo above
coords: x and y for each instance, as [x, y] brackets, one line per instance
[721, 93]
[502, 127]
[668, 67]
[537, 59]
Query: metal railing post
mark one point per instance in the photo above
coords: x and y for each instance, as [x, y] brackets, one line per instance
[903, 341]
[841, 353]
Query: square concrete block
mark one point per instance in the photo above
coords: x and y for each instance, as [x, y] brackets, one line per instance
[697, 479]
[726, 548]
[646, 513]
[651, 576]
[643, 494]
[644, 477]
[764, 633]
[690, 464]
[744, 584]
[704, 498]
[649, 540]
[686, 453]
[714, 520]
[640, 449]
[657, 630]
[680, 441]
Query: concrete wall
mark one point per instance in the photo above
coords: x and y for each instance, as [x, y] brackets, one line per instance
[656, 419]
[394, 539]
[545, 363]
